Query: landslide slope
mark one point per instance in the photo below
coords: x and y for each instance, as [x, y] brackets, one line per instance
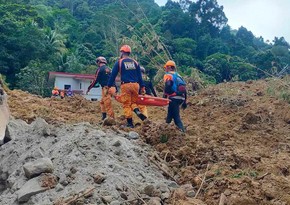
[236, 147]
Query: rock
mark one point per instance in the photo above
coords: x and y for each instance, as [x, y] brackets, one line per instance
[165, 195]
[124, 196]
[120, 187]
[149, 190]
[107, 199]
[133, 135]
[38, 153]
[173, 185]
[190, 194]
[35, 168]
[41, 126]
[99, 178]
[59, 187]
[109, 121]
[46, 131]
[162, 187]
[186, 187]
[117, 143]
[73, 170]
[154, 201]
[62, 179]
[30, 188]
[156, 193]
[115, 203]
[251, 118]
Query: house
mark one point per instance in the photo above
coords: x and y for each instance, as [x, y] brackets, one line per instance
[78, 83]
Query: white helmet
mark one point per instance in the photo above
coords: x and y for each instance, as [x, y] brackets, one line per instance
[101, 59]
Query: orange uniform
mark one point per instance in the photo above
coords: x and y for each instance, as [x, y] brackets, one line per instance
[106, 102]
[102, 76]
[131, 80]
[55, 92]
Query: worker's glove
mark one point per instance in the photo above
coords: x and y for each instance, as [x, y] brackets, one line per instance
[184, 105]
[105, 90]
[112, 91]
[143, 91]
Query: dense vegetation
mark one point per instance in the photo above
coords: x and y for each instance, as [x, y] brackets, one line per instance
[38, 36]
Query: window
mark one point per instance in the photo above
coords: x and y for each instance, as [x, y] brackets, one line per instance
[80, 86]
[66, 87]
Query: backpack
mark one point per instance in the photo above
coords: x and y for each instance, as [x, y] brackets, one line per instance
[179, 85]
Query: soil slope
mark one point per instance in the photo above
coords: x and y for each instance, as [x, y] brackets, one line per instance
[235, 149]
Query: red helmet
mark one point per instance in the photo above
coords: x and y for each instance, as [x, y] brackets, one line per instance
[101, 59]
[126, 49]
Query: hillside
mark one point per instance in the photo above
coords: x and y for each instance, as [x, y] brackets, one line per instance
[235, 150]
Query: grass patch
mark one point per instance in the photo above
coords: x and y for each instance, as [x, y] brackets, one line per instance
[252, 174]
[164, 138]
[280, 88]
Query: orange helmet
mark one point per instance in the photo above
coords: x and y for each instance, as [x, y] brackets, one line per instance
[126, 49]
[101, 59]
[170, 63]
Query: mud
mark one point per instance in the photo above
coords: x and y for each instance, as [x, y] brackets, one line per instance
[235, 149]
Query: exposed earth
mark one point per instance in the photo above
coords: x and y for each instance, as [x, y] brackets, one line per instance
[236, 149]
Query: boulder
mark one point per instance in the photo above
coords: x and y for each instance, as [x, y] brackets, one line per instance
[37, 167]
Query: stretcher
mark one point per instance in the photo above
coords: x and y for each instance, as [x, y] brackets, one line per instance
[147, 100]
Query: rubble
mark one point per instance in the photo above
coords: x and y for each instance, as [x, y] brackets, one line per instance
[235, 150]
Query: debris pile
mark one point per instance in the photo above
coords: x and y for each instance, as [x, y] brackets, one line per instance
[235, 150]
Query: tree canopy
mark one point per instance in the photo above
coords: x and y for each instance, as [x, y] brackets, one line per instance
[39, 36]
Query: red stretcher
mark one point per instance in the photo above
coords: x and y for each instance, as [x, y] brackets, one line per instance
[148, 100]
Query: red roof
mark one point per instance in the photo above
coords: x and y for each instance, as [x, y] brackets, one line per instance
[76, 76]
[72, 75]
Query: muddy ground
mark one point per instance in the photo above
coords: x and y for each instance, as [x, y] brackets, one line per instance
[236, 149]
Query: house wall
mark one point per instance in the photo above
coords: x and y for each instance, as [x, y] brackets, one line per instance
[95, 93]
[79, 85]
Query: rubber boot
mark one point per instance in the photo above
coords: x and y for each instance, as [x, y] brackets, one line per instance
[139, 114]
[130, 123]
[104, 115]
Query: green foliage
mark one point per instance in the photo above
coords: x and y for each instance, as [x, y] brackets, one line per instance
[20, 39]
[68, 35]
[224, 67]
[201, 78]
[246, 36]
[209, 15]
[163, 138]
[33, 78]
[252, 174]
[280, 88]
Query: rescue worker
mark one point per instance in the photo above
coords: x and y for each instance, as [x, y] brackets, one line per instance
[62, 94]
[55, 92]
[102, 76]
[149, 90]
[131, 81]
[175, 100]
[69, 92]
